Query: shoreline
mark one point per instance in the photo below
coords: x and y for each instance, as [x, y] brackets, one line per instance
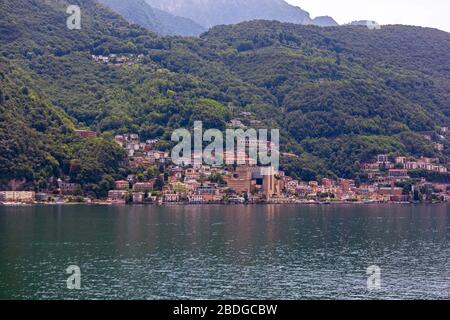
[218, 204]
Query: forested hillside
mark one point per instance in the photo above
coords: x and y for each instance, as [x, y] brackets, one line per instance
[340, 95]
[37, 141]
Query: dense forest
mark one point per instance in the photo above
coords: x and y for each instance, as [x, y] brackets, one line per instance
[340, 95]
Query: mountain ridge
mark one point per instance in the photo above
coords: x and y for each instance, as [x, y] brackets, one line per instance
[218, 12]
[193, 17]
[159, 21]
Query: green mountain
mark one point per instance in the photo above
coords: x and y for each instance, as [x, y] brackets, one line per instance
[343, 93]
[38, 140]
[339, 95]
[161, 22]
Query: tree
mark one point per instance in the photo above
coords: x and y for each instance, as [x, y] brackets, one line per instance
[106, 184]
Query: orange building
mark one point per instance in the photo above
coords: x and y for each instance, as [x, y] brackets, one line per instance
[241, 180]
[393, 194]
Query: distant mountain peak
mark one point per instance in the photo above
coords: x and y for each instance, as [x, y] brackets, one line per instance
[325, 21]
[193, 17]
[217, 12]
[156, 20]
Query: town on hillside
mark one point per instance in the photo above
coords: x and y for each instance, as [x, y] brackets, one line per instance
[156, 180]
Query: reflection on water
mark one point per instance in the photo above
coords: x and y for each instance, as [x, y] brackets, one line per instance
[253, 252]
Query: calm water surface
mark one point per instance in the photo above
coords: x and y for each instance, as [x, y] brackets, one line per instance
[216, 252]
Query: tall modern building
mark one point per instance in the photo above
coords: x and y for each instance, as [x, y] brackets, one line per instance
[270, 182]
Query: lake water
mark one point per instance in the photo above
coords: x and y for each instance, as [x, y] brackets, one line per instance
[225, 252]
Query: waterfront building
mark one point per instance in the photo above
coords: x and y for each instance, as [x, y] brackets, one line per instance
[171, 197]
[117, 195]
[209, 194]
[67, 188]
[195, 198]
[17, 196]
[392, 195]
[138, 197]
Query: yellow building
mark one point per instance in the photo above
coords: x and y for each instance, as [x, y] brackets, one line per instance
[179, 187]
[17, 196]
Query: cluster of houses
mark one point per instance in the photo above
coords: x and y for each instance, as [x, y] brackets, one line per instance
[251, 183]
[248, 183]
[118, 60]
[400, 167]
[204, 184]
[244, 120]
[254, 184]
[141, 154]
[436, 138]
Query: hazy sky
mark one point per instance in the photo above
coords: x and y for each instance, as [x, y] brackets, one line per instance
[426, 13]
